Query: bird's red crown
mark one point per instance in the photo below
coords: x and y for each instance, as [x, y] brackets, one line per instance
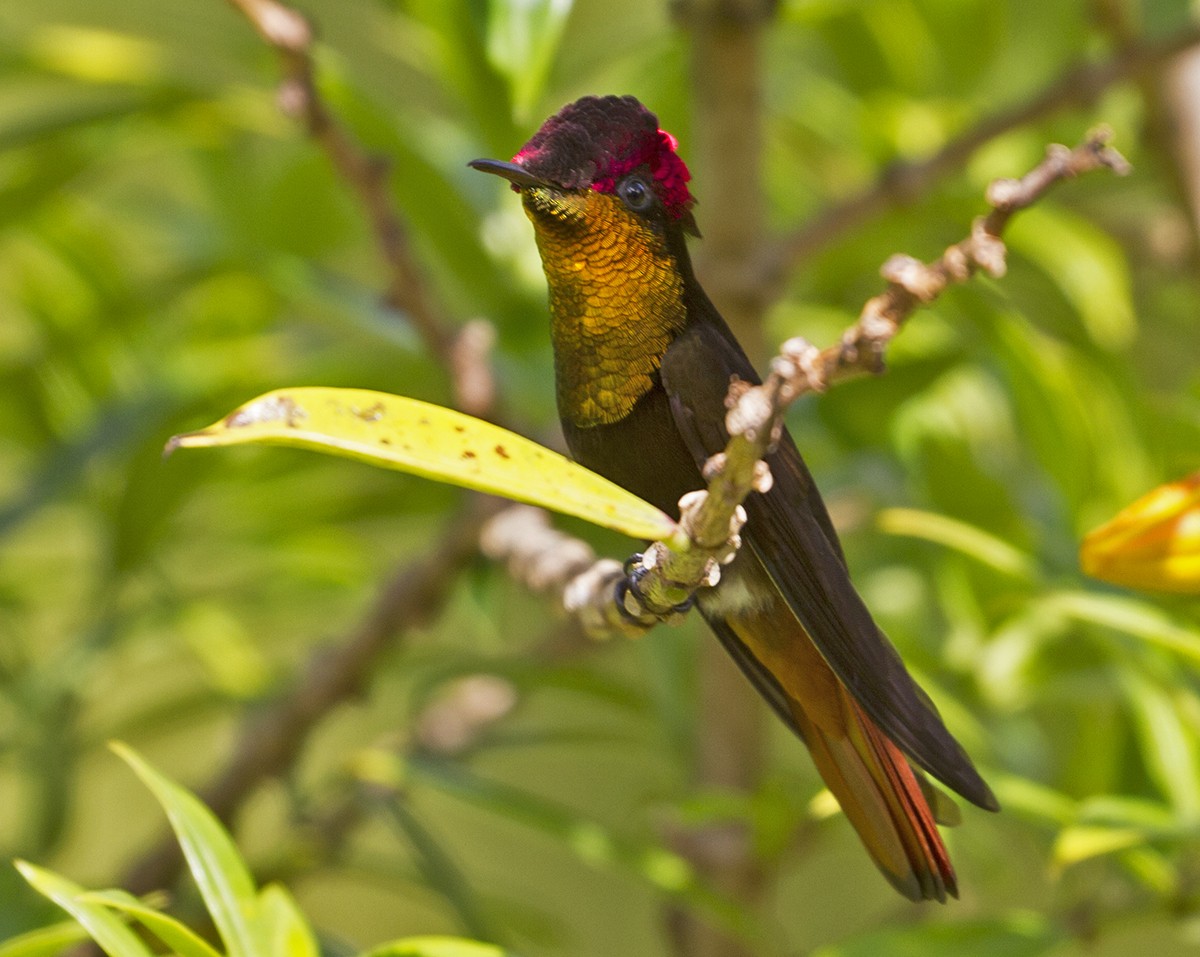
[596, 141]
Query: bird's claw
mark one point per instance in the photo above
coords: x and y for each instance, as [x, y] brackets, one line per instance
[641, 607]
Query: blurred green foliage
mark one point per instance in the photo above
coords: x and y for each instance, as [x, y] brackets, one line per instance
[250, 922]
[171, 245]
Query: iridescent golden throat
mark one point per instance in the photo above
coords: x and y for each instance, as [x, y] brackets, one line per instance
[616, 300]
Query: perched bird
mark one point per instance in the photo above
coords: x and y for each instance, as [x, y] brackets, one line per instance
[643, 362]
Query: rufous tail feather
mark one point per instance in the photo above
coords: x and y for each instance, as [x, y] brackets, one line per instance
[882, 797]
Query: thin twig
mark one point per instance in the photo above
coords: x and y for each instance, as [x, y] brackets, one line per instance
[1078, 86]
[801, 368]
[291, 35]
[273, 737]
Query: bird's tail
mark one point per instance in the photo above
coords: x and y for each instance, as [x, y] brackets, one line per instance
[888, 802]
[883, 798]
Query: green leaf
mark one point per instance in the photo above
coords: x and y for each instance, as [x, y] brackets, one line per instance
[1033, 800]
[1168, 745]
[1015, 935]
[1087, 264]
[287, 928]
[466, 68]
[439, 869]
[74, 107]
[45, 941]
[428, 440]
[1154, 869]
[591, 842]
[106, 929]
[217, 867]
[523, 39]
[1084, 841]
[180, 938]
[1132, 616]
[437, 947]
[968, 539]
[1071, 414]
[1119, 810]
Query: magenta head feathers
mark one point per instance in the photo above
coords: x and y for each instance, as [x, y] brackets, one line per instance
[595, 141]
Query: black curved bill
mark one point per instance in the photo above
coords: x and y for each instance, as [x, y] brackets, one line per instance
[515, 174]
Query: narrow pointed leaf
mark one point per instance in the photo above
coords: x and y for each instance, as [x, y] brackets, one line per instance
[288, 930]
[182, 940]
[440, 870]
[217, 867]
[428, 440]
[438, 947]
[595, 844]
[1084, 841]
[45, 941]
[1132, 616]
[523, 39]
[1168, 744]
[1019, 934]
[105, 928]
[962, 537]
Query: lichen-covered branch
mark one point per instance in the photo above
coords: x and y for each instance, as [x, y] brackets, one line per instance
[801, 368]
[659, 584]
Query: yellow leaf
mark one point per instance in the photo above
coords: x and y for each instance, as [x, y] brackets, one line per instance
[399, 433]
[1152, 544]
[1082, 841]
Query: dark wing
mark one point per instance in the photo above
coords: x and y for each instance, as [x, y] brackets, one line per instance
[790, 532]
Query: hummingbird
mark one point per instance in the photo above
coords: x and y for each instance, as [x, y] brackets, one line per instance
[643, 361]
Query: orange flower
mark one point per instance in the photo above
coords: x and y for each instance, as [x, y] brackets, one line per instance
[1152, 544]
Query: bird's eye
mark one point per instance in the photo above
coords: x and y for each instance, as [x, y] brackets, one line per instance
[636, 194]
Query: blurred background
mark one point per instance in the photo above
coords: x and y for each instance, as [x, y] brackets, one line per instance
[172, 244]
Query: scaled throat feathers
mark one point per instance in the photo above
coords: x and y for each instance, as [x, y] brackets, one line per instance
[616, 288]
[616, 301]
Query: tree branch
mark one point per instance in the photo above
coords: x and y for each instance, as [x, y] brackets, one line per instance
[291, 35]
[1079, 86]
[272, 739]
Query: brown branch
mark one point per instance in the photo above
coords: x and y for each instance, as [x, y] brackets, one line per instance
[725, 78]
[273, 738]
[726, 39]
[547, 560]
[1079, 86]
[448, 726]
[291, 35]
[801, 368]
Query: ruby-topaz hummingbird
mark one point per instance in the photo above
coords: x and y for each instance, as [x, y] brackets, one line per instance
[643, 362]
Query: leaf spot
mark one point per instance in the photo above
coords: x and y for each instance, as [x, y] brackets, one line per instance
[373, 414]
[502, 452]
[272, 408]
[468, 454]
